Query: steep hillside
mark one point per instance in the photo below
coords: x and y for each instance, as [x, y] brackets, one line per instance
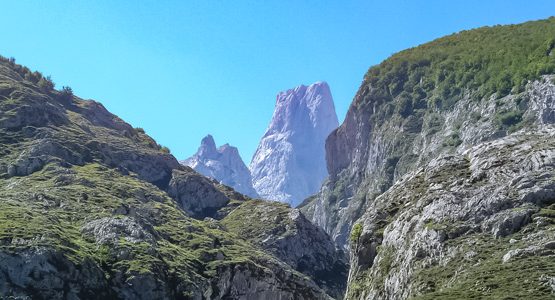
[441, 97]
[86, 212]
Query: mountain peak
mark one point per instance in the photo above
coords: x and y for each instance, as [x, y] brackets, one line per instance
[80, 179]
[300, 90]
[313, 103]
[223, 164]
[289, 164]
[207, 147]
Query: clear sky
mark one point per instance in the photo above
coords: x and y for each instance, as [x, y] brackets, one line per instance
[183, 69]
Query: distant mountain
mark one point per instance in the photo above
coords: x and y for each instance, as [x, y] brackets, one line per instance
[223, 164]
[289, 163]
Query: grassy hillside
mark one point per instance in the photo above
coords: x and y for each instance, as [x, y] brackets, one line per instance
[84, 210]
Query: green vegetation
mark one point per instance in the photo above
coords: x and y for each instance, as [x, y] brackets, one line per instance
[44, 83]
[432, 225]
[510, 118]
[89, 200]
[268, 216]
[476, 270]
[453, 140]
[385, 263]
[433, 123]
[485, 276]
[339, 189]
[470, 264]
[66, 94]
[488, 60]
[356, 232]
[548, 212]
[507, 119]
[367, 279]
[37, 215]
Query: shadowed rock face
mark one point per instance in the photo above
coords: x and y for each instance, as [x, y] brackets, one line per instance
[366, 158]
[223, 164]
[289, 163]
[198, 196]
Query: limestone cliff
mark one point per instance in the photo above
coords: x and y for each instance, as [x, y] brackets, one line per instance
[478, 224]
[441, 97]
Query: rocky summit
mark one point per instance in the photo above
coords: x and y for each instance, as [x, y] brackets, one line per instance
[223, 164]
[289, 163]
[92, 208]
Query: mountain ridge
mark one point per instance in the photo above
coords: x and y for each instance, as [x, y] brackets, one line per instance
[408, 97]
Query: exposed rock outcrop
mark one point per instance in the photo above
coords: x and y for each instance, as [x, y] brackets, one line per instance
[445, 159]
[289, 163]
[196, 194]
[287, 234]
[223, 164]
[466, 215]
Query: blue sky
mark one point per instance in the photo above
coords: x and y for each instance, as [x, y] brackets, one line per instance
[182, 69]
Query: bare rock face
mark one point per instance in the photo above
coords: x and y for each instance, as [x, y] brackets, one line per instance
[444, 189]
[196, 194]
[223, 164]
[46, 273]
[289, 163]
[443, 227]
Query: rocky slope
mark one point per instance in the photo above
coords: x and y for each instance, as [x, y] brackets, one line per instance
[91, 208]
[288, 235]
[442, 97]
[289, 163]
[480, 224]
[223, 164]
